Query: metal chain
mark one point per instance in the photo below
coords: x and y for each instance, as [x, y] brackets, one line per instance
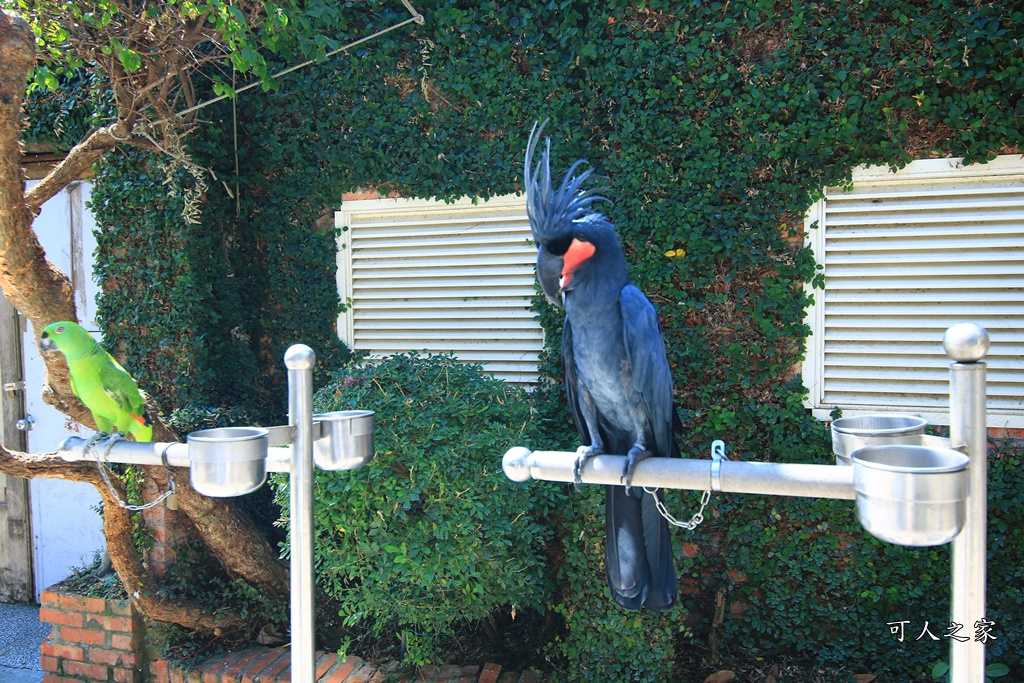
[694, 521]
[101, 457]
[717, 455]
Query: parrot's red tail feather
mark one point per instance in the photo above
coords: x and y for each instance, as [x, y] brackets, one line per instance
[143, 420]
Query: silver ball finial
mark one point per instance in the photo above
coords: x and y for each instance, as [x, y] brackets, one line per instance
[966, 342]
[299, 357]
[515, 464]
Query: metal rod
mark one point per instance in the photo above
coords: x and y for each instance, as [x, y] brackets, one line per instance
[780, 479]
[72, 449]
[967, 344]
[300, 359]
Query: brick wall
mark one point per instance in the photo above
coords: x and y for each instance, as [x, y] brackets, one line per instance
[104, 641]
[166, 528]
[265, 665]
[92, 640]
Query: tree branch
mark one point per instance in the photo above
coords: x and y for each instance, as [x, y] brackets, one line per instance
[79, 160]
[117, 529]
[32, 285]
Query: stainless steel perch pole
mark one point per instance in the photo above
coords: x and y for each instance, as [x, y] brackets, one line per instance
[770, 478]
[967, 344]
[149, 453]
[299, 360]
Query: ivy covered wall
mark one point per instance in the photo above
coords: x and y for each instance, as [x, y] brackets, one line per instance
[715, 124]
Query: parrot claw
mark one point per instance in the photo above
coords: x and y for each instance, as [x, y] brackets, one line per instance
[637, 453]
[582, 453]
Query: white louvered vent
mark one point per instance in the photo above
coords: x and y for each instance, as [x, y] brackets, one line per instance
[905, 256]
[435, 277]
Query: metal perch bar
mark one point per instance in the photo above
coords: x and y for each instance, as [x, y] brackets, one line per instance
[766, 478]
[149, 453]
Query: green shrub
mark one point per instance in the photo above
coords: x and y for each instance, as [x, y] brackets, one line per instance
[602, 642]
[431, 532]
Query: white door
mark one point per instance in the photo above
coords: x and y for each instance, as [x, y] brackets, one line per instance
[66, 527]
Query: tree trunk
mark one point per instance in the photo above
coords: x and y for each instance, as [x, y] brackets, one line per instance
[44, 295]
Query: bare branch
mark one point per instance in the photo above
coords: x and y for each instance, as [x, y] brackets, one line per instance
[79, 160]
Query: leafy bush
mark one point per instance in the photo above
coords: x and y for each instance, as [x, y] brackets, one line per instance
[602, 642]
[431, 532]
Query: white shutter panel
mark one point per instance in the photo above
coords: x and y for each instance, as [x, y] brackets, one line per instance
[429, 276]
[905, 256]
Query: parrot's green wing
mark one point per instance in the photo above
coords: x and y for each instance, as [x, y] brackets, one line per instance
[120, 386]
[123, 390]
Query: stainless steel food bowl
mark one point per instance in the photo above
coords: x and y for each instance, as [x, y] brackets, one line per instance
[851, 433]
[910, 494]
[228, 461]
[346, 439]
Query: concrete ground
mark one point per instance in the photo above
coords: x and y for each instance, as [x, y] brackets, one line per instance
[21, 634]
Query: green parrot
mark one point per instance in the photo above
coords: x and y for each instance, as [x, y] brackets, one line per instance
[99, 381]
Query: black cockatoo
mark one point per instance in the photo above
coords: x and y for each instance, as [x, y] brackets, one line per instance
[616, 374]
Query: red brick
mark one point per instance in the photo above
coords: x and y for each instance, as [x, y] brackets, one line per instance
[1006, 433]
[68, 652]
[362, 674]
[125, 660]
[530, 676]
[83, 635]
[490, 673]
[49, 597]
[106, 623]
[233, 674]
[119, 641]
[690, 550]
[127, 676]
[121, 608]
[387, 673]
[51, 664]
[215, 666]
[82, 603]
[50, 615]
[96, 672]
[341, 671]
[323, 663]
[270, 674]
[98, 655]
[361, 193]
[737, 576]
[159, 671]
[266, 660]
[509, 677]
[53, 678]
